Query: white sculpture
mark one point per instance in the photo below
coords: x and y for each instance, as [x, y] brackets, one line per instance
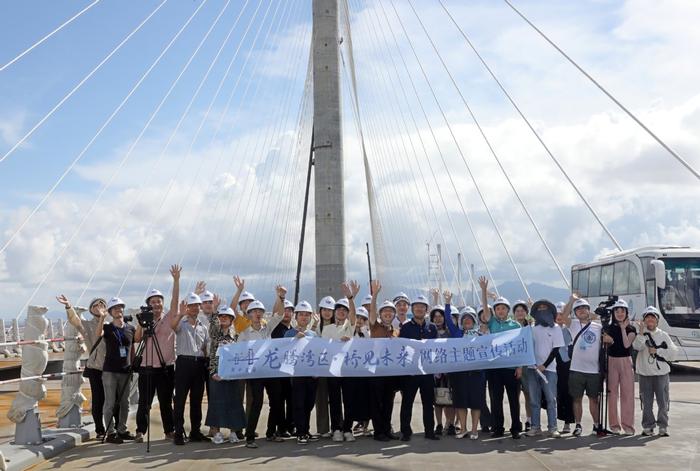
[71, 395]
[34, 360]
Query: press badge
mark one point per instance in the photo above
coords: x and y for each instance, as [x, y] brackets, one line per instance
[122, 352]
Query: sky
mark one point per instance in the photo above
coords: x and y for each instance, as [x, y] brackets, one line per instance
[190, 143]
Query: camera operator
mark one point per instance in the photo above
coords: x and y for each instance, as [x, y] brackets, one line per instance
[161, 378]
[656, 350]
[118, 337]
[619, 336]
[584, 373]
[192, 339]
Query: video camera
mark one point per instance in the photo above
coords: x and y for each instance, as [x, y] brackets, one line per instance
[145, 317]
[604, 310]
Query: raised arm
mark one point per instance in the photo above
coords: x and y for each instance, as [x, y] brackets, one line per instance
[484, 284]
[175, 271]
[99, 330]
[375, 287]
[435, 296]
[175, 320]
[451, 327]
[73, 317]
[350, 290]
[566, 312]
[200, 287]
[240, 286]
[278, 308]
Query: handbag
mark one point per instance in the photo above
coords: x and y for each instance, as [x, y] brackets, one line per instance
[443, 396]
[91, 372]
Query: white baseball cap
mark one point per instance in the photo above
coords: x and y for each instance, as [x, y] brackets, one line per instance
[206, 296]
[327, 303]
[468, 311]
[114, 302]
[651, 311]
[580, 303]
[304, 306]
[503, 301]
[255, 305]
[366, 300]
[362, 312]
[226, 311]
[342, 302]
[288, 304]
[560, 307]
[246, 296]
[621, 303]
[401, 296]
[152, 293]
[193, 299]
[438, 308]
[420, 299]
[387, 304]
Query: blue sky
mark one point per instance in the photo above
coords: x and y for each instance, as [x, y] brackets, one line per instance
[231, 202]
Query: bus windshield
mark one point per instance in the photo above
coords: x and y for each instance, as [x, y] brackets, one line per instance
[682, 293]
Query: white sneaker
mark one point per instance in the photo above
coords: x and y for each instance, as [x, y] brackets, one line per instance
[326, 435]
[663, 432]
[648, 432]
[533, 432]
[555, 434]
[218, 438]
[474, 436]
[233, 438]
[348, 436]
[566, 429]
[337, 436]
[138, 438]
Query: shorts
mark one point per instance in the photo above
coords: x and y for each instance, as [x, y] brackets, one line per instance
[588, 383]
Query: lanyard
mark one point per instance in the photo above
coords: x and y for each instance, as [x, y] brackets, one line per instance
[118, 334]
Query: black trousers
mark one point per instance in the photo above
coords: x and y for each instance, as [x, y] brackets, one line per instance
[382, 391]
[255, 389]
[288, 408]
[97, 392]
[335, 402]
[304, 399]
[410, 386]
[154, 381]
[498, 380]
[565, 404]
[275, 419]
[189, 380]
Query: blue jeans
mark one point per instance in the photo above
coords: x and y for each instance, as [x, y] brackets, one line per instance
[536, 386]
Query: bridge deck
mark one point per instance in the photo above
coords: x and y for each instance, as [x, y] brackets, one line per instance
[680, 451]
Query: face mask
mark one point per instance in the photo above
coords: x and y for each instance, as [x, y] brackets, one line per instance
[544, 318]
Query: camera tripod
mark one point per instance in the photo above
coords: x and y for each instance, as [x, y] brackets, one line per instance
[603, 395]
[148, 333]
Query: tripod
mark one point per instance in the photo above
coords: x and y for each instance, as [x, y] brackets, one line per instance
[148, 333]
[604, 393]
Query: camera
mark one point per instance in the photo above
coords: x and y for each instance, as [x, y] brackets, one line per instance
[604, 310]
[145, 317]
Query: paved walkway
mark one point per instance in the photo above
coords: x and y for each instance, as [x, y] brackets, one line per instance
[681, 451]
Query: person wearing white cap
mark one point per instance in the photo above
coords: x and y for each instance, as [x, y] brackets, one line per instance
[418, 329]
[521, 315]
[326, 312]
[241, 298]
[261, 330]
[584, 351]
[118, 337]
[383, 389]
[619, 337]
[303, 387]
[225, 407]
[279, 390]
[402, 304]
[361, 386]
[192, 339]
[156, 377]
[442, 381]
[96, 356]
[656, 351]
[468, 387]
[340, 389]
[500, 379]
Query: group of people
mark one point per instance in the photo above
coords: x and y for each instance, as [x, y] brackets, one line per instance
[178, 360]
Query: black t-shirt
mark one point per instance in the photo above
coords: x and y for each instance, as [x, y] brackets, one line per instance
[617, 349]
[279, 331]
[118, 342]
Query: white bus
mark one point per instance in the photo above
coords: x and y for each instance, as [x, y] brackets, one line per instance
[665, 277]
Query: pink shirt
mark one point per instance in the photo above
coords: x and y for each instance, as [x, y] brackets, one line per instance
[166, 342]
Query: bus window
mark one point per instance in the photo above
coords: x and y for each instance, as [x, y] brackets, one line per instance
[594, 281]
[651, 295]
[574, 280]
[635, 284]
[606, 280]
[583, 283]
[621, 279]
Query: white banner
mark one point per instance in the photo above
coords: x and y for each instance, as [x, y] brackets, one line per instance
[280, 358]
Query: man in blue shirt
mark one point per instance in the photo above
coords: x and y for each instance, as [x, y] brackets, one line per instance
[418, 329]
[502, 378]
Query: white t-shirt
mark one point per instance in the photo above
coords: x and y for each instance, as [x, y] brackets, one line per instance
[587, 348]
[336, 332]
[546, 339]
